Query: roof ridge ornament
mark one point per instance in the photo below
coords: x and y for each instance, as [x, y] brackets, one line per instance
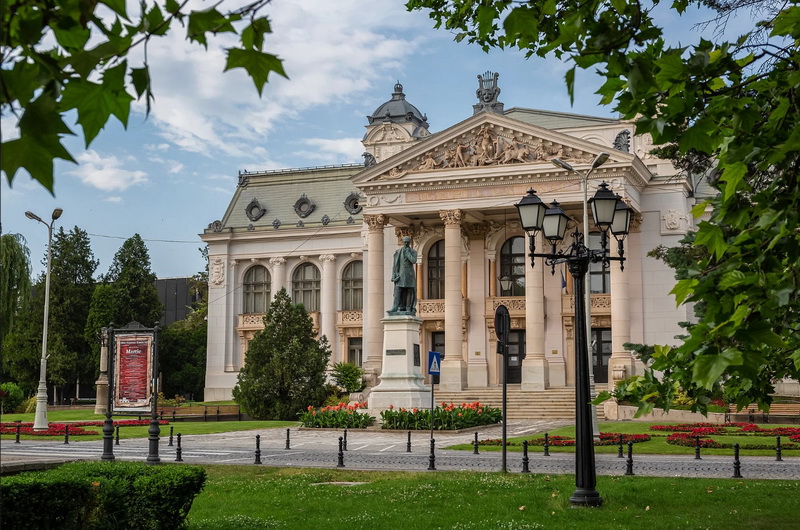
[487, 93]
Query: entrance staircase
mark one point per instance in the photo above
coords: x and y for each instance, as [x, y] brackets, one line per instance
[553, 403]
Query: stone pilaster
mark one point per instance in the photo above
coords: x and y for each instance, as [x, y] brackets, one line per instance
[328, 303]
[278, 274]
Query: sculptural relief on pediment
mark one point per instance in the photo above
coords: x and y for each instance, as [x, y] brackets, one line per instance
[488, 147]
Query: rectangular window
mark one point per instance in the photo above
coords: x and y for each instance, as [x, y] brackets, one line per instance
[354, 349]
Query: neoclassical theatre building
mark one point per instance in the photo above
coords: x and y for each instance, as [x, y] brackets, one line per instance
[327, 235]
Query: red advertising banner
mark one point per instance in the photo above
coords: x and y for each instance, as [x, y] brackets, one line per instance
[133, 371]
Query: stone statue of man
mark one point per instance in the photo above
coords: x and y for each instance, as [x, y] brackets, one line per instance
[405, 280]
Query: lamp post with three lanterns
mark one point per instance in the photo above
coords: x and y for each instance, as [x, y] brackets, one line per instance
[610, 214]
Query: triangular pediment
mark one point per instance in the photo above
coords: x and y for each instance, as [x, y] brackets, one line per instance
[484, 141]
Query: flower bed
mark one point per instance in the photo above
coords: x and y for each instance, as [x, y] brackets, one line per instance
[446, 417]
[75, 428]
[739, 429]
[341, 416]
[606, 438]
[689, 440]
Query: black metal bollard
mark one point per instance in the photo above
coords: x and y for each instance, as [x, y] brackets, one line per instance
[344, 446]
[546, 444]
[66, 434]
[629, 463]
[341, 453]
[778, 451]
[287, 440]
[475, 444]
[408, 444]
[737, 466]
[178, 450]
[258, 449]
[525, 459]
[697, 448]
[170, 435]
[116, 442]
[19, 426]
[432, 457]
[619, 448]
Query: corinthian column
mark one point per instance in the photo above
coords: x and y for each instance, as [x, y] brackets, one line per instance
[328, 303]
[373, 329]
[535, 373]
[453, 367]
[278, 274]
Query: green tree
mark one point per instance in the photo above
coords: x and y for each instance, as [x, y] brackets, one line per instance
[135, 296]
[101, 315]
[284, 369]
[81, 56]
[734, 100]
[183, 345]
[15, 279]
[71, 288]
[182, 358]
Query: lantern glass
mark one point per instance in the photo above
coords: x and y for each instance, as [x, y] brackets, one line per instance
[622, 219]
[604, 204]
[555, 222]
[531, 211]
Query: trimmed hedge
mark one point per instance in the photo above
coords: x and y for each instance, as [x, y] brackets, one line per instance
[91, 495]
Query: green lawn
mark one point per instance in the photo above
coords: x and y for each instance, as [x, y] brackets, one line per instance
[245, 497]
[657, 445]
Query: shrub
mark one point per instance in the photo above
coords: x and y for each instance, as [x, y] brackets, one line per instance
[28, 406]
[91, 495]
[11, 397]
[348, 376]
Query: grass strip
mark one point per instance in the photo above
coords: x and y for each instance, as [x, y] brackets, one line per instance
[239, 497]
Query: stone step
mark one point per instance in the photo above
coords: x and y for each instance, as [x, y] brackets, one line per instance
[558, 403]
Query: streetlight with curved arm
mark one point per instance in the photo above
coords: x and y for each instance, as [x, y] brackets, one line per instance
[40, 422]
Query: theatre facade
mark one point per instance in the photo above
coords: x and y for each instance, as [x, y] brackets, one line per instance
[327, 235]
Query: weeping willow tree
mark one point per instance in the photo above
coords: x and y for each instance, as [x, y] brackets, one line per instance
[15, 278]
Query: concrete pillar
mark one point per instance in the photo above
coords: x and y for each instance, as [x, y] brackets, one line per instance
[233, 347]
[535, 373]
[373, 328]
[327, 315]
[454, 375]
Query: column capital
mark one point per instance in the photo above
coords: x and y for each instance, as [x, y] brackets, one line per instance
[452, 217]
[374, 222]
[327, 258]
[277, 261]
[403, 231]
[475, 230]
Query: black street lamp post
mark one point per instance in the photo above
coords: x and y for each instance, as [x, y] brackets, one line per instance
[610, 214]
[108, 423]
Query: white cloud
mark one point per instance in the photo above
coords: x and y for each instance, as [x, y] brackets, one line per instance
[106, 173]
[333, 52]
[334, 151]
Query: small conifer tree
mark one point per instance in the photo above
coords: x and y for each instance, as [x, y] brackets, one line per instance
[285, 364]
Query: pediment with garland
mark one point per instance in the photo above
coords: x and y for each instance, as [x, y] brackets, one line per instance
[484, 141]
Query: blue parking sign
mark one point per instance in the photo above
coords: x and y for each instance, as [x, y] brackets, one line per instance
[434, 362]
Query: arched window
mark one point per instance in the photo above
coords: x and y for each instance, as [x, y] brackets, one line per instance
[353, 286]
[512, 266]
[436, 271]
[256, 289]
[599, 277]
[305, 286]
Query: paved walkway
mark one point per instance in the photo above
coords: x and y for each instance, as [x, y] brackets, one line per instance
[381, 450]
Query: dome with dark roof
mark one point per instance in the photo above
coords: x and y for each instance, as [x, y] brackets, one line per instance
[398, 110]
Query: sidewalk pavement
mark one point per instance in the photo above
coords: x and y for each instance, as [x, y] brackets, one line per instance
[384, 450]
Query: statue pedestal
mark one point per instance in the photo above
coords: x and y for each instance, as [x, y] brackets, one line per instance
[401, 374]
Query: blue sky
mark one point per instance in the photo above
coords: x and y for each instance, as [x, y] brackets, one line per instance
[170, 175]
